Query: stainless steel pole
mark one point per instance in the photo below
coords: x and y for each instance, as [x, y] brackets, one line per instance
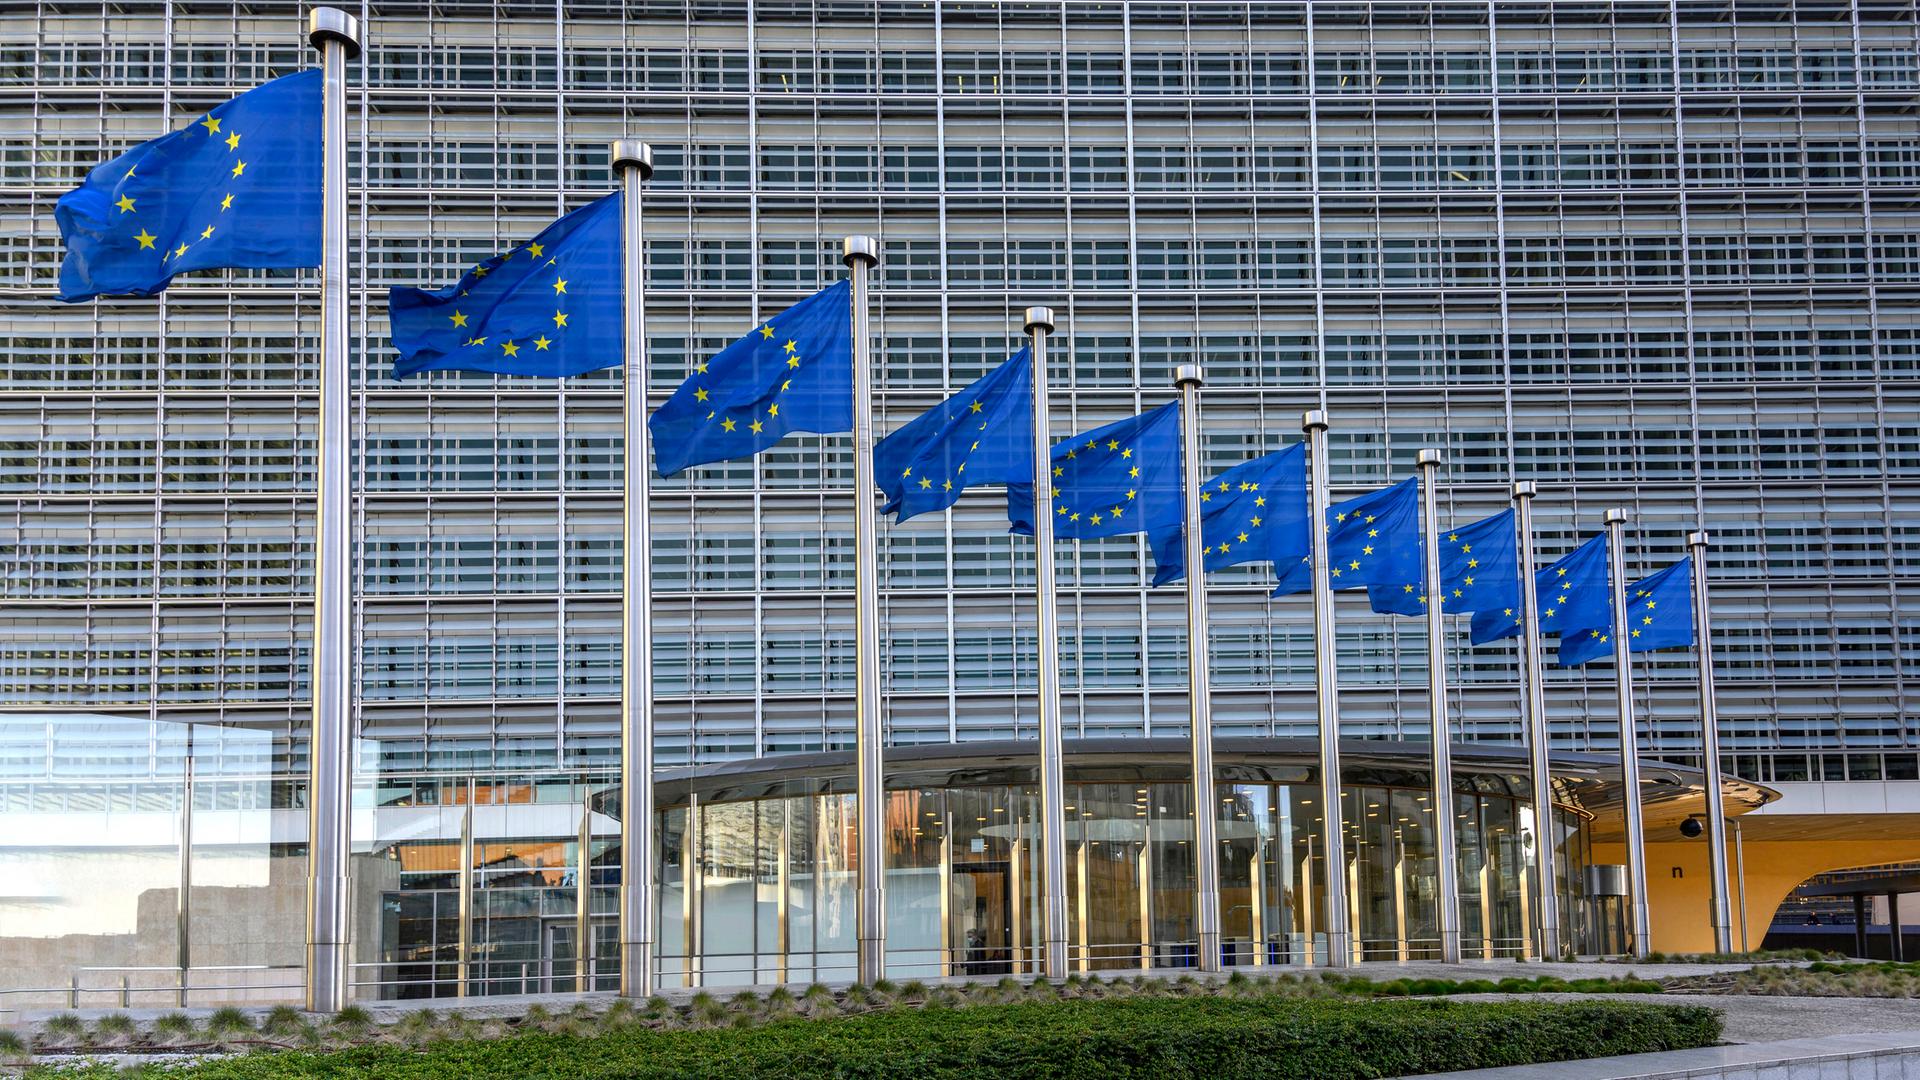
[1710, 745]
[1333, 839]
[861, 254]
[1533, 694]
[330, 745]
[1616, 520]
[1206, 807]
[1740, 868]
[633, 164]
[1053, 791]
[1445, 849]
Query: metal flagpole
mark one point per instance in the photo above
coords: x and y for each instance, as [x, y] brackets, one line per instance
[1206, 808]
[633, 164]
[1533, 694]
[1053, 795]
[1447, 869]
[330, 747]
[1333, 839]
[861, 254]
[1710, 744]
[1616, 520]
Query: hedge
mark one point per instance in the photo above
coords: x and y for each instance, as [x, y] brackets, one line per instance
[1264, 1036]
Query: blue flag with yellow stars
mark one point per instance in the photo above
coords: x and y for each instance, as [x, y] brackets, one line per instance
[1371, 540]
[981, 435]
[550, 307]
[792, 373]
[1572, 594]
[1479, 569]
[1253, 512]
[239, 187]
[1659, 616]
[1118, 479]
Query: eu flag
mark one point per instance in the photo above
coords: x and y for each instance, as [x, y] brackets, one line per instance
[1572, 594]
[793, 372]
[550, 307]
[239, 187]
[1253, 512]
[1371, 540]
[981, 435]
[1118, 479]
[1659, 616]
[1479, 569]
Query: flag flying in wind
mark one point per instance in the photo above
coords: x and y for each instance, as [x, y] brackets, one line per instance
[1253, 512]
[238, 187]
[1659, 616]
[1371, 540]
[1572, 594]
[1479, 569]
[1118, 479]
[981, 435]
[793, 372]
[550, 307]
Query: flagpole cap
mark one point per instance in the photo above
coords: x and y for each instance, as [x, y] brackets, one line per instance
[1525, 489]
[1313, 420]
[1039, 318]
[1698, 539]
[326, 24]
[1187, 375]
[1428, 458]
[632, 154]
[1615, 516]
[860, 249]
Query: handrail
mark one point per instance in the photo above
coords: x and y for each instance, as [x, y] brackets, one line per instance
[182, 986]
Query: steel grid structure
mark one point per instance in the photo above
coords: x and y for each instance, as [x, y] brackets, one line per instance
[1658, 255]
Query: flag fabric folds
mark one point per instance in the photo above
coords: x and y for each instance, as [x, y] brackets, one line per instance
[550, 307]
[1659, 616]
[793, 372]
[239, 187]
[1572, 594]
[1371, 540]
[1117, 479]
[1253, 512]
[1479, 569]
[981, 435]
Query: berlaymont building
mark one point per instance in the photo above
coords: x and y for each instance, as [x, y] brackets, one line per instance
[1656, 255]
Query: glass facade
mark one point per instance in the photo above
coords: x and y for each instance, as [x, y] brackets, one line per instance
[1662, 255]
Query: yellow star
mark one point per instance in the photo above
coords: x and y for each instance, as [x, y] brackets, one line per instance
[179, 251]
[239, 168]
[540, 343]
[1243, 485]
[1127, 453]
[766, 331]
[1256, 523]
[1368, 550]
[975, 407]
[1206, 496]
[1062, 510]
[211, 123]
[700, 368]
[1354, 565]
[925, 483]
[1116, 512]
[478, 341]
[1058, 471]
[1562, 572]
[1369, 519]
[1636, 633]
[1649, 605]
[785, 384]
[755, 427]
[125, 203]
[206, 232]
[1134, 473]
[728, 424]
[1071, 454]
[699, 393]
[233, 141]
[1371, 533]
[793, 361]
[791, 345]
[1457, 592]
[479, 272]
[1113, 444]
[1093, 444]
[1466, 549]
[1406, 588]
[1472, 563]
[1226, 547]
[1131, 493]
[1223, 485]
[1469, 581]
[1260, 500]
[560, 285]
[227, 203]
[146, 238]
[908, 471]
[1073, 517]
[535, 250]
[1095, 519]
[1646, 620]
[459, 318]
[773, 410]
[510, 349]
[559, 318]
[1340, 518]
[946, 485]
[1453, 538]
[1243, 538]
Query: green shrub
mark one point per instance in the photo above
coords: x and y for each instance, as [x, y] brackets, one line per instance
[1261, 1036]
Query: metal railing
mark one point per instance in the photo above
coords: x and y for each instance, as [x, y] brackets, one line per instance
[88, 981]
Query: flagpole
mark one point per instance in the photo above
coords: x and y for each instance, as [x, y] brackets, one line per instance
[1447, 868]
[1616, 520]
[633, 164]
[861, 254]
[1333, 840]
[1206, 809]
[336, 35]
[1533, 695]
[1053, 798]
[1710, 744]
